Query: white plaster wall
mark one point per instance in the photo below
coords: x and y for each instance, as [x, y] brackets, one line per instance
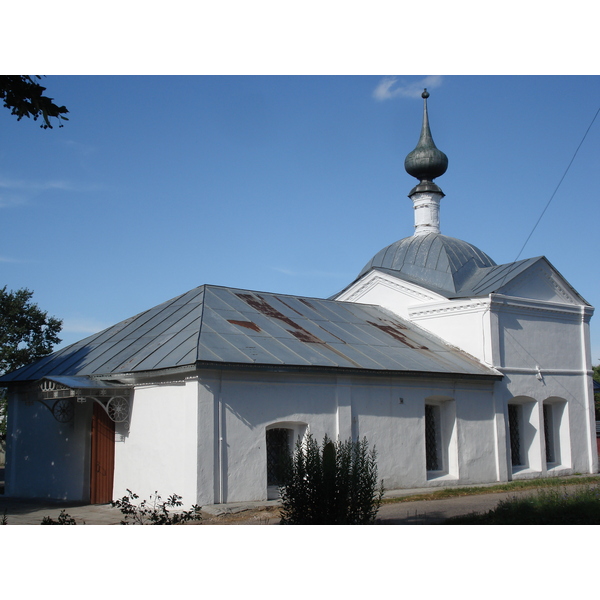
[208, 447]
[45, 458]
[530, 338]
[389, 413]
[249, 404]
[478, 451]
[577, 446]
[542, 349]
[160, 451]
[461, 323]
[393, 415]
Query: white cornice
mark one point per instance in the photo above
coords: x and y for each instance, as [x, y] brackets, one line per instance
[521, 305]
[532, 371]
[499, 302]
[449, 306]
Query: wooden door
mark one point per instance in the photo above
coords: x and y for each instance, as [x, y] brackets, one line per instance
[103, 457]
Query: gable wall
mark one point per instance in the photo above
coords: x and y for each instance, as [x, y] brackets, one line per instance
[531, 333]
[541, 282]
[390, 292]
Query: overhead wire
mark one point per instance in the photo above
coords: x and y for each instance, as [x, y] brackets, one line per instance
[559, 184]
[514, 266]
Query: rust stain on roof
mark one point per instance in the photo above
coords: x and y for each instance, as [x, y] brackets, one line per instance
[394, 331]
[305, 301]
[301, 334]
[246, 324]
[260, 304]
[290, 307]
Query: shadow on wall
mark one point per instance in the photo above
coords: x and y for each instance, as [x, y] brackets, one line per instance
[38, 441]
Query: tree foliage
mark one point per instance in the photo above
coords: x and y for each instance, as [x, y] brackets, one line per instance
[597, 395]
[24, 97]
[27, 333]
[332, 485]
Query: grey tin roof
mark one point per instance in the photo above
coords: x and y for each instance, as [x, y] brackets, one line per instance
[435, 261]
[212, 326]
[449, 267]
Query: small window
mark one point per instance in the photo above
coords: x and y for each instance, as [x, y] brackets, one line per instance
[433, 438]
[515, 418]
[549, 435]
[278, 448]
[556, 433]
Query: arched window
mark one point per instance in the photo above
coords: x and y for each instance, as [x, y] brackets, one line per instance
[281, 438]
[278, 448]
[556, 433]
[441, 451]
[523, 434]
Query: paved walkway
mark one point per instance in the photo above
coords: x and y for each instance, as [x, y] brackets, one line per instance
[420, 512]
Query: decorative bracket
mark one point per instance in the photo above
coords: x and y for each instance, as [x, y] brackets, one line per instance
[113, 398]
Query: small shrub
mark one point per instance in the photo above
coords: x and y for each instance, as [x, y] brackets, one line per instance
[332, 485]
[63, 519]
[154, 511]
[4, 520]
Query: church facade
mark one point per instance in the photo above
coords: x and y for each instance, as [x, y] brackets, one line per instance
[458, 370]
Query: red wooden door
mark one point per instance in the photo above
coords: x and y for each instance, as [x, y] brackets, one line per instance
[103, 457]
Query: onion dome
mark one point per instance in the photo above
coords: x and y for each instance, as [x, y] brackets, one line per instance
[426, 162]
[442, 264]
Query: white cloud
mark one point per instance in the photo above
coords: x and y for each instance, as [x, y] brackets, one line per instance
[8, 259]
[10, 200]
[391, 87]
[32, 186]
[79, 147]
[16, 192]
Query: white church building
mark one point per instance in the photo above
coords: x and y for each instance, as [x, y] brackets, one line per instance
[458, 370]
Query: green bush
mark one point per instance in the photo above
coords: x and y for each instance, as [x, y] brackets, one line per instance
[63, 519]
[154, 511]
[335, 484]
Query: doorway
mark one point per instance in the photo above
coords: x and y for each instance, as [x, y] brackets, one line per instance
[102, 457]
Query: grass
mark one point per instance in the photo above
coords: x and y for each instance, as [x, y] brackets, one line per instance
[510, 486]
[549, 506]
[555, 502]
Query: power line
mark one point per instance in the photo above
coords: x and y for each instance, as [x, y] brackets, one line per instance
[559, 183]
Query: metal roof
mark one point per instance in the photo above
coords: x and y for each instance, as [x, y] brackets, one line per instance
[449, 267]
[213, 325]
[435, 261]
[85, 383]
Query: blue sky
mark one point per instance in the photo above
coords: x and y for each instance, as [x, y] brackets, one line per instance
[289, 184]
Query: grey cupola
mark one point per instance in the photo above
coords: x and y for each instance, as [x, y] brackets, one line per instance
[428, 258]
